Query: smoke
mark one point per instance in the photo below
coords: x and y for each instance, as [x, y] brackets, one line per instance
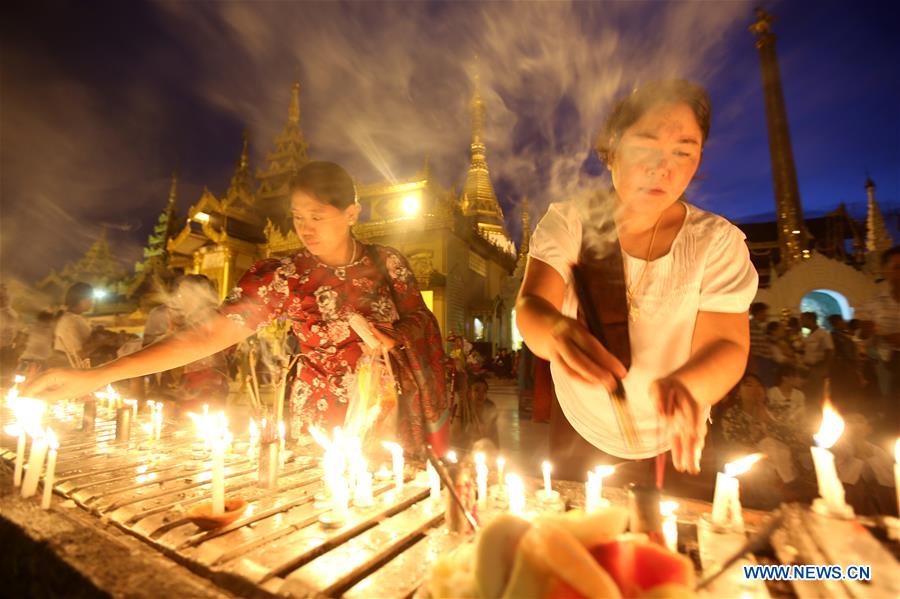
[384, 85]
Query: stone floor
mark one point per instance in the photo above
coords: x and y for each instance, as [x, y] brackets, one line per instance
[523, 443]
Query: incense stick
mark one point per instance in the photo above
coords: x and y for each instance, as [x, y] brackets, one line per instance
[445, 476]
[617, 397]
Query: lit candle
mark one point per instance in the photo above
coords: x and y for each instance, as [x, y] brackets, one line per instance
[601, 472]
[254, 439]
[156, 415]
[363, 496]
[50, 477]
[451, 457]
[515, 490]
[35, 464]
[219, 439]
[501, 464]
[397, 462]
[481, 477]
[547, 468]
[669, 524]
[831, 490]
[897, 471]
[281, 435]
[726, 511]
[20, 456]
[434, 481]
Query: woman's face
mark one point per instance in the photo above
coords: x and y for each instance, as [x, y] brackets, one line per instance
[656, 158]
[322, 228]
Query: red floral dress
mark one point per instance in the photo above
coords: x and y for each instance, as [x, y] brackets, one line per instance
[317, 299]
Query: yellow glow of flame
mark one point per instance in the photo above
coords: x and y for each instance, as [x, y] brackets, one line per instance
[19, 379]
[451, 457]
[738, 467]
[667, 508]
[480, 458]
[604, 471]
[831, 428]
[897, 451]
[52, 441]
[319, 437]
[546, 467]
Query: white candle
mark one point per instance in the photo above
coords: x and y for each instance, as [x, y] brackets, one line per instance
[50, 477]
[35, 465]
[501, 464]
[363, 495]
[830, 488]
[397, 462]
[281, 435]
[727, 511]
[218, 476]
[20, 457]
[481, 477]
[897, 471]
[434, 481]
[669, 523]
[547, 468]
[157, 417]
[601, 472]
[515, 490]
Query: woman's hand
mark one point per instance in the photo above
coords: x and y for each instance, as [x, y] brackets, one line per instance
[387, 341]
[583, 357]
[63, 383]
[685, 419]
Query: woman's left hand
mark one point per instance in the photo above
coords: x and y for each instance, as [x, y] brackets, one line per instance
[386, 340]
[685, 419]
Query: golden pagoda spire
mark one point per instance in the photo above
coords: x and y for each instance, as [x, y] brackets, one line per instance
[878, 238]
[793, 238]
[294, 108]
[479, 199]
[242, 180]
[173, 191]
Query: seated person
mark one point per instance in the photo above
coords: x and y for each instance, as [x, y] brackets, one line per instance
[476, 418]
[786, 402]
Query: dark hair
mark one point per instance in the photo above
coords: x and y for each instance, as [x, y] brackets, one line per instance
[793, 321]
[785, 371]
[757, 307]
[629, 110]
[327, 182]
[809, 315]
[770, 328]
[888, 254]
[478, 380]
[76, 293]
[834, 319]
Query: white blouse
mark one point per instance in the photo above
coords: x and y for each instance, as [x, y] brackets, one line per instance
[708, 268]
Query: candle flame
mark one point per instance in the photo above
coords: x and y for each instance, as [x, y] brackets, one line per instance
[831, 428]
[604, 471]
[546, 467]
[738, 467]
[394, 448]
[480, 458]
[281, 430]
[451, 457]
[667, 508]
[52, 442]
[254, 430]
[28, 413]
[320, 437]
[501, 462]
[19, 379]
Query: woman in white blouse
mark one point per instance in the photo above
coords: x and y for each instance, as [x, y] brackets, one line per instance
[688, 283]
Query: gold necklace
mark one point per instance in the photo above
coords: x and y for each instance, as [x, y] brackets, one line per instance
[633, 311]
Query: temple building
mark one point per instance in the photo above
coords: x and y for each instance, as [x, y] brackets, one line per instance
[827, 264]
[458, 245]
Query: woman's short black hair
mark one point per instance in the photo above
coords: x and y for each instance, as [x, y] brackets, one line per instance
[327, 182]
[77, 293]
[630, 109]
[772, 326]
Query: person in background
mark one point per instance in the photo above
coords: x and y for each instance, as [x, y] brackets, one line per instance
[818, 352]
[845, 375]
[786, 402]
[9, 332]
[479, 421]
[39, 346]
[794, 335]
[70, 338]
[864, 468]
[782, 352]
[882, 313]
[762, 356]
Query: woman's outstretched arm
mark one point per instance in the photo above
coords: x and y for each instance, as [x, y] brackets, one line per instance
[214, 335]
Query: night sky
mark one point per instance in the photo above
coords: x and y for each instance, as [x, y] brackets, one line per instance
[100, 102]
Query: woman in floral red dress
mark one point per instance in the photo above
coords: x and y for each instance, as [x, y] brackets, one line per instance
[317, 289]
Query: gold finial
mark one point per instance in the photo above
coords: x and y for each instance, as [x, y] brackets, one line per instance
[763, 24]
[294, 110]
[173, 188]
[245, 151]
[526, 228]
[478, 111]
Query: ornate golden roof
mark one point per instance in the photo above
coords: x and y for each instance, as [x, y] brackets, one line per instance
[878, 238]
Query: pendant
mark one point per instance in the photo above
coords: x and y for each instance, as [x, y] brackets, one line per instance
[633, 312]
